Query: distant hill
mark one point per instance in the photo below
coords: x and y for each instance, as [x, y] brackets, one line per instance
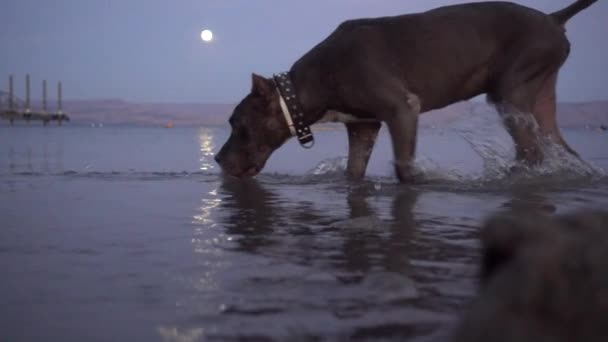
[581, 114]
[189, 114]
[588, 113]
[116, 111]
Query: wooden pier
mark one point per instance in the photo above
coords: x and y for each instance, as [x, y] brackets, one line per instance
[12, 111]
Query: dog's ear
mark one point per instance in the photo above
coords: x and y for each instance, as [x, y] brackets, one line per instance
[261, 85]
[504, 236]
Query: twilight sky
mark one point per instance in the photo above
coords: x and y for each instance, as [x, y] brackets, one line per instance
[150, 50]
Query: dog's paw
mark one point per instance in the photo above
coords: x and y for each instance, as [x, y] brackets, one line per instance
[419, 179]
[518, 170]
[412, 178]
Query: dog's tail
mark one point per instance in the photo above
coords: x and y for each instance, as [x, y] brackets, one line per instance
[565, 14]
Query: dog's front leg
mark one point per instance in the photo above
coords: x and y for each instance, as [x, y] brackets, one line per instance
[403, 128]
[361, 139]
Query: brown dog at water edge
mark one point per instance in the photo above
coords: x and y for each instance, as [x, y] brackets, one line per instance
[392, 69]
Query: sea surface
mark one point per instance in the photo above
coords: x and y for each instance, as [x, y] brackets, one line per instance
[132, 234]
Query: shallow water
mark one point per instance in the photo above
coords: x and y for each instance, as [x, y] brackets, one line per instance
[131, 234]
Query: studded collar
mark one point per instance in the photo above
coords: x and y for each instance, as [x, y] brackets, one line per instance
[292, 110]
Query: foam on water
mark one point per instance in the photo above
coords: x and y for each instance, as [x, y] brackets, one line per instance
[490, 141]
[330, 166]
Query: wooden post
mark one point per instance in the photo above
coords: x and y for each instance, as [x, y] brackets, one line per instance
[10, 94]
[44, 96]
[59, 105]
[11, 104]
[27, 98]
[27, 93]
[59, 99]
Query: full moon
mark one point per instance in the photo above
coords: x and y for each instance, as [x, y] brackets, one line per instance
[207, 35]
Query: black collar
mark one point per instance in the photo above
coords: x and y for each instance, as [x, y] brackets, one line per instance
[292, 110]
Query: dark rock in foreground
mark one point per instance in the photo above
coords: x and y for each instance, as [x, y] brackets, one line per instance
[542, 279]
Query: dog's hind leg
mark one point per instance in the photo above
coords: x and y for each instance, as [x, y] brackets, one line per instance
[361, 139]
[545, 113]
[526, 99]
[529, 115]
[515, 101]
[522, 126]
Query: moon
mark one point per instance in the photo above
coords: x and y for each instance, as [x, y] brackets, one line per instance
[207, 36]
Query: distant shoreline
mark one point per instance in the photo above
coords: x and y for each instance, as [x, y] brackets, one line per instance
[121, 112]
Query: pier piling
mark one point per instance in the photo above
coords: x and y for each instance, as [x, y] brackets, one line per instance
[44, 96]
[59, 105]
[11, 94]
[16, 111]
[45, 121]
[28, 110]
[59, 101]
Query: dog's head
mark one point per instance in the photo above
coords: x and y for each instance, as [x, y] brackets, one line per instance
[258, 128]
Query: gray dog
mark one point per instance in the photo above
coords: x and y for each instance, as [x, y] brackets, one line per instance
[392, 69]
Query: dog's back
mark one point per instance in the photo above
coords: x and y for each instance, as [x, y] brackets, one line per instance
[445, 55]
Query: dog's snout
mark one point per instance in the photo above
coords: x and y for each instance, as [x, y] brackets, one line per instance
[217, 158]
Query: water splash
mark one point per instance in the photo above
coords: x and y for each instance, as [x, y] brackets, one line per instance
[483, 131]
[488, 138]
[433, 172]
[330, 166]
[558, 160]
